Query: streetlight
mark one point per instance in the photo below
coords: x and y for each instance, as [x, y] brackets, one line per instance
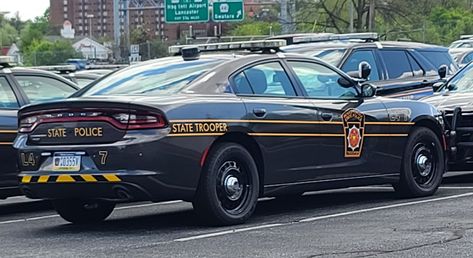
[90, 16]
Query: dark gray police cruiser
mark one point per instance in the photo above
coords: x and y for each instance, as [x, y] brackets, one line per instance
[221, 130]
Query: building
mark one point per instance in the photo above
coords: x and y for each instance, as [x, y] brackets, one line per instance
[94, 19]
[91, 49]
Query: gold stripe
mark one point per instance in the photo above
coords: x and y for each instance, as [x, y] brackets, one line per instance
[6, 143]
[8, 131]
[65, 179]
[43, 179]
[88, 178]
[298, 134]
[281, 122]
[111, 178]
[196, 134]
[387, 135]
[26, 179]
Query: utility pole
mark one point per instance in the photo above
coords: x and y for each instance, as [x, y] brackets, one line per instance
[371, 16]
[351, 7]
[284, 17]
[90, 16]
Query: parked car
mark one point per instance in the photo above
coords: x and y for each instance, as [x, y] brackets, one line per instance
[221, 130]
[398, 69]
[466, 41]
[455, 99]
[19, 87]
[462, 56]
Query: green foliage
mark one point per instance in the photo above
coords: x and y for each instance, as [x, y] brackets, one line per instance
[158, 49]
[33, 31]
[42, 52]
[138, 36]
[252, 27]
[8, 34]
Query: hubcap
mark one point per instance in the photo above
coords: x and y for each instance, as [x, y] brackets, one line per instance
[424, 165]
[232, 187]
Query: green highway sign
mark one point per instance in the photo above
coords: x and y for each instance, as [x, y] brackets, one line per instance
[231, 10]
[182, 11]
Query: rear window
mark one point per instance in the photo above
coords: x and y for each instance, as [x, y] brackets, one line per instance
[438, 58]
[163, 76]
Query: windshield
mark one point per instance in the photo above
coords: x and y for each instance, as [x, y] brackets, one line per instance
[331, 56]
[463, 81]
[161, 76]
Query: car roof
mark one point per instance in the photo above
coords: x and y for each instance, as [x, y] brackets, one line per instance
[355, 44]
[25, 70]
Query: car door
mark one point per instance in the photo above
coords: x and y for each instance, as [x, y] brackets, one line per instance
[350, 142]
[9, 105]
[279, 120]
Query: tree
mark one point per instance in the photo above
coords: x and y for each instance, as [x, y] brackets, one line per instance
[139, 35]
[252, 27]
[43, 52]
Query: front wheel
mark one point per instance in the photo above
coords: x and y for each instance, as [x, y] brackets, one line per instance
[423, 164]
[83, 211]
[229, 186]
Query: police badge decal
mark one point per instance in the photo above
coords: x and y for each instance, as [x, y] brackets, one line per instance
[354, 129]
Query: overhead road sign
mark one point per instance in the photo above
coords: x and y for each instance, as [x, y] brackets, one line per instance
[228, 10]
[182, 11]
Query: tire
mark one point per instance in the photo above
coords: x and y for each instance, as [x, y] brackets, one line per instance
[423, 164]
[229, 186]
[83, 211]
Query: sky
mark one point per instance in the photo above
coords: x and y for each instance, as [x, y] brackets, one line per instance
[28, 9]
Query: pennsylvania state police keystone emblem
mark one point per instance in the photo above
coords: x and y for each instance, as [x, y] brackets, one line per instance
[353, 129]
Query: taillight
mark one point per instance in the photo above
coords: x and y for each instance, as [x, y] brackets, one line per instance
[119, 119]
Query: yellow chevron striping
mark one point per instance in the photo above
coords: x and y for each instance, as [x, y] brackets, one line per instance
[26, 179]
[43, 179]
[111, 178]
[65, 179]
[88, 178]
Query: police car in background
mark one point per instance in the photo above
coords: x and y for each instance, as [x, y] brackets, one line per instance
[19, 87]
[398, 69]
[221, 130]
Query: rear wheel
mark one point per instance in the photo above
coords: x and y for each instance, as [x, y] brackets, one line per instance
[83, 211]
[229, 186]
[422, 164]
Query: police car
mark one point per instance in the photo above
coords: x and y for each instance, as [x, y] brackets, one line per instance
[398, 69]
[19, 87]
[220, 131]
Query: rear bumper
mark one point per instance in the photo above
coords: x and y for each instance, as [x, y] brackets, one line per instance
[117, 187]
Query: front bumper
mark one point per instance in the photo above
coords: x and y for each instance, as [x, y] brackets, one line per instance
[117, 187]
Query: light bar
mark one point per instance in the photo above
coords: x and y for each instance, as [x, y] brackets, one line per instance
[332, 37]
[106, 66]
[243, 45]
[466, 36]
[7, 61]
[56, 68]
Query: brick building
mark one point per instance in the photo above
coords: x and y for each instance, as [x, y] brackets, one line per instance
[95, 18]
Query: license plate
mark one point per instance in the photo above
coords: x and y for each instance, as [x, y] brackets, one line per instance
[66, 162]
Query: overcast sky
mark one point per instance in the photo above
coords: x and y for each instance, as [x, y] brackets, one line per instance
[28, 8]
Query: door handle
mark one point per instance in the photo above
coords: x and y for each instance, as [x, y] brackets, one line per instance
[326, 116]
[259, 112]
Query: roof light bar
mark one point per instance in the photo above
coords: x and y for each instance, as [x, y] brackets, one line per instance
[466, 36]
[349, 36]
[105, 66]
[255, 45]
[57, 68]
[7, 61]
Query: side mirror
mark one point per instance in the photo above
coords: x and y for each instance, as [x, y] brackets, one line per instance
[442, 71]
[364, 70]
[437, 86]
[368, 90]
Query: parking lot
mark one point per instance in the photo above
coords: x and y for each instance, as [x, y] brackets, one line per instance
[353, 222]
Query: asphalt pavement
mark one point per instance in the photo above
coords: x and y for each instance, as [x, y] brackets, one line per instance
[352, 222]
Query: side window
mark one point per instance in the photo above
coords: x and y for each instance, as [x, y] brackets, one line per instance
[468, 58]
[38, 88]
[321, 82]
[7, 97]
[415, 66]
[439, 58]
[351, 65]
[397, 64]
[264, 79]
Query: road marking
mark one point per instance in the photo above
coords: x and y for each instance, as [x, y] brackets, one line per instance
[342, 214]
[391, 188]
[226, 232]
[146, 205]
